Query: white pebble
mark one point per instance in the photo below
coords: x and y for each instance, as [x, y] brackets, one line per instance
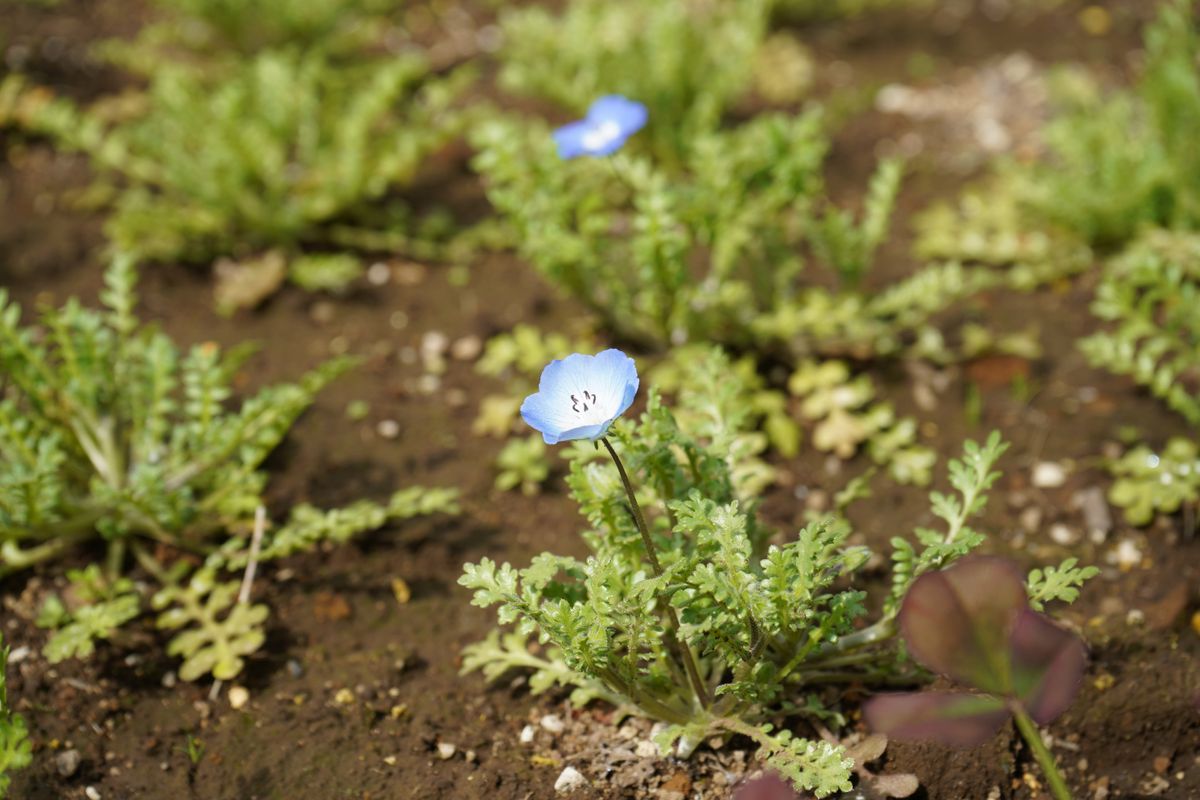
[527, 734]
[1062, 534]
[388, 428]
[1127, 555]
[646, 749]
[1048, 475]
[569, 780]
[379, 273]
[552, 723]
[92, 793]
[446, 750]
[238, 696]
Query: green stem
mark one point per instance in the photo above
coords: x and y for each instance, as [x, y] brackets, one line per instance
[1058, 786]
[689, 661]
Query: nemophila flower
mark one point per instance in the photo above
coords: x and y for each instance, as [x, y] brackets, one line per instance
[609, 122]
[580, 396]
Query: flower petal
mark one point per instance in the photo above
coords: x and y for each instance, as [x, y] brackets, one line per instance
[570, 139]
[954, 718]
[628, 114]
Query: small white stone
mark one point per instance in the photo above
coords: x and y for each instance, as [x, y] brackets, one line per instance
[388, 428]
[379, 273]
[569, 780]
[527, 734]
[552, 723]
[18, 654]
[446, 750]
[646, 749]
[467, 348]
[169, 679]
[1048, 475]
[238, 696]
[1127, 555]
[92, 793]
[1062, 534]
[1135, 617]
[1031, 519]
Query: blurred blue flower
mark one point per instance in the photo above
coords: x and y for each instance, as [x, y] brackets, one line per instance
[580, 396]
[609, 122]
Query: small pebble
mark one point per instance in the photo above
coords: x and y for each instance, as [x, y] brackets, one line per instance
[378, 274]
[295, 668]
[467, 348]
[388, 429]
[238, 697]
[646, 749]
[569, 780]
[344, 697]
[92, 793]
[19, 654]
[552, 723]
[527, 734]
[1031, 519]
[446, 750]
[1126, 556]
[1048, 475]
[169, 680]
[1062, 534]
[67, 762]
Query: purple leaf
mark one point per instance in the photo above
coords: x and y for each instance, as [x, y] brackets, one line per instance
[954, 718]
[1047, 665]
[767, 787]
[957, 621]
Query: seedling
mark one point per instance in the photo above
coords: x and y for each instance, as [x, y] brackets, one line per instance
[972, 622]
[683, 612]
[15, 749]
[112, 439]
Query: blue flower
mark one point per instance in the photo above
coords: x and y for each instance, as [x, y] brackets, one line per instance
[580, 396]
[609, 122]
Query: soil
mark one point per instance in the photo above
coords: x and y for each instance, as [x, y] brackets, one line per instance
[354, 691]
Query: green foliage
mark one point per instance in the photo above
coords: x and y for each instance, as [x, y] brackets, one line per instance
[229, 25]
[758, 617]
[971, 477]
[1058, 583]
[522, 463]
[710, 249]
[804, 10]
[219, 631]
[1151, 293]
[845, 417]
[1124, 160]
[110, 434]
[284, 149]
[849, 246]
[687, 61]
[1149, 483]
[988, 224]
[100, 608]
[15, 749]
[726, 403]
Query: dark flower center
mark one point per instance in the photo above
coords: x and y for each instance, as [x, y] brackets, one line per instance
[579, 406]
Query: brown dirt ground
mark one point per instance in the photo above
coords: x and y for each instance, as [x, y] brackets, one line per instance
[1134, 727]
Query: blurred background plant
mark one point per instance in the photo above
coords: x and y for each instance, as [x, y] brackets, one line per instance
[15, 748]
[687, 60]
[112, 437]
[284, 152]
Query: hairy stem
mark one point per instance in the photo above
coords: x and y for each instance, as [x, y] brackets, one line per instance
[689, 661]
